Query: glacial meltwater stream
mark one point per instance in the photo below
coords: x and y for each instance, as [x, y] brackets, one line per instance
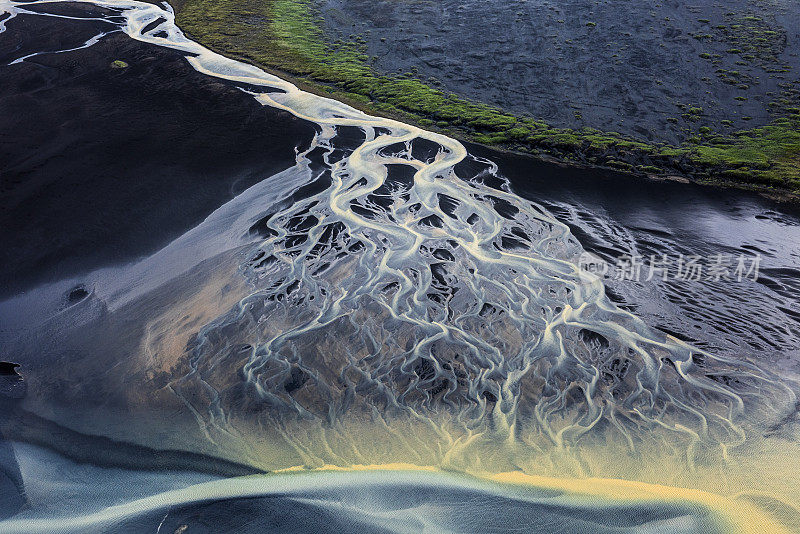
[388, 302]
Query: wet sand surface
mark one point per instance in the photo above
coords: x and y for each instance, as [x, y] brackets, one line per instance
[616, 216]
[357, 502]
[102, 165]
[106, 341]
[107, 165]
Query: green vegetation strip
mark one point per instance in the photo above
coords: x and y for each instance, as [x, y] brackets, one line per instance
[286, 36]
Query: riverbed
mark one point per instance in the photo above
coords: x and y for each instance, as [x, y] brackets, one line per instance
[209, 271]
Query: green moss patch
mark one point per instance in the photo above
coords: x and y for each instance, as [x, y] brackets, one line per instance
[286, 36]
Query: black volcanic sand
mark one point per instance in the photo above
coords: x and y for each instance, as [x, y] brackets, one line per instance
[625, 73]
[23, 426]
[614, 215]
[102, 165]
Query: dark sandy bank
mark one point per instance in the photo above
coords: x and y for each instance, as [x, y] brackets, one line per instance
[100, 165]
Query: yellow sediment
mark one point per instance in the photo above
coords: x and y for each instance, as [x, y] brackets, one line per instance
[735, 514]
[739, 515]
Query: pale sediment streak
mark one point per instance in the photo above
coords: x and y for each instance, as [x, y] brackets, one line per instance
[392, 499]
[89, 42]
[396, 286]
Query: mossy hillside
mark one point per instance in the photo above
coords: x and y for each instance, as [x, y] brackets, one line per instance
[286, 36]
[769, 155]
[757, 42]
